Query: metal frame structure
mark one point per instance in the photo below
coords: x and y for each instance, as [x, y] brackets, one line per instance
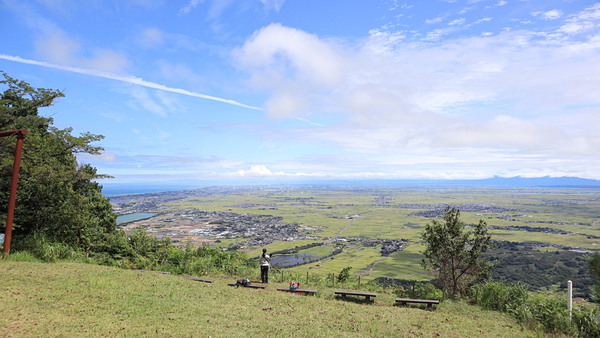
[20, 134]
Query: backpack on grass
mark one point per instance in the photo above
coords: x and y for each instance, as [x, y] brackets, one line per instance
[242, 282]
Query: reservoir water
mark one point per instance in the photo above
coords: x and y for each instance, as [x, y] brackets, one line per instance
[133, 217]
[285, 260]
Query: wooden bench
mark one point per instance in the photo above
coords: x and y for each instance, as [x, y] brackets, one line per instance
[163, 272]
[305, 291]
[199, 279]
[252, 286]
[429, 302]
[356, 293]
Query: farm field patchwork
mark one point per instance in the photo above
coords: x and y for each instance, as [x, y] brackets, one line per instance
[359, 218]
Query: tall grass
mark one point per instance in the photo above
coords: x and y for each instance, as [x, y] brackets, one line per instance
[44, 249]
[543, 311]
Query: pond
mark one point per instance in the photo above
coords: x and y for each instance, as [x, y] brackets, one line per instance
[286, 260]
[133, 217]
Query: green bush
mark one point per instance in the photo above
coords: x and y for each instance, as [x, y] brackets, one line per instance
[427, 291]
[43, 248]
[500, 297]
[418, 291]
[344, 274]
[593, 262]
[549, 310]
[585, 322]
[542, 311]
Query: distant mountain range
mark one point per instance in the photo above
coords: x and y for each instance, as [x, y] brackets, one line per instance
[115, 189]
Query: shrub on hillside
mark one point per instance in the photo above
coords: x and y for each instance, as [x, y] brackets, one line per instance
[586, 322]
[499, 296]
[344, 274]
[427, 291]
[45, 249]
[548, 311]
[419, 291]
[593, 262]
[542, 311]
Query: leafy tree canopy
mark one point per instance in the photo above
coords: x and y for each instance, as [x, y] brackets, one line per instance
[56, 196]
[454, 254]
[593, 262]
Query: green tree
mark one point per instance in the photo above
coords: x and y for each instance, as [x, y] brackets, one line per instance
[344, 274]
[593, 262]
[454, 254]
[57, 196]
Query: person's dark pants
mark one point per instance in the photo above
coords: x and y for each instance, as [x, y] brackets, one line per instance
[264, 274]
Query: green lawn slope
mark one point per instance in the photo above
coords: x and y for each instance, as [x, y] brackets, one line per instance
[73, 299]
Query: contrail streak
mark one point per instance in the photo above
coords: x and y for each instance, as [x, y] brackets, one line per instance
[127, 79]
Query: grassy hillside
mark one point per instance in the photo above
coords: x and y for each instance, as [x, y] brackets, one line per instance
[72, 299]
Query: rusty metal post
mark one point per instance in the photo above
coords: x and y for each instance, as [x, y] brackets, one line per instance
[20, 133]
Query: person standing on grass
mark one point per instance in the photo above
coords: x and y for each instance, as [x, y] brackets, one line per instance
[265, 265]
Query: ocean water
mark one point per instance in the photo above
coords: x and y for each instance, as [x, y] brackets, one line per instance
[120, 189]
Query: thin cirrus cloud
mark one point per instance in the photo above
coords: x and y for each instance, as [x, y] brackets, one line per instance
[126, 79]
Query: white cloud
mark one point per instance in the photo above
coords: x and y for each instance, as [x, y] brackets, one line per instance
[190, 6]
[434, 20]
[170, 101]
[283, 59]
[56, 47]
[498, 4]
[502, 98]
[143, 101]
[457, 22]
[217, 7]
[151, 38]
[268, 47]
[158, 102]
[583, 22]
[274, 5]
[435, 35]
[53, 45]
[481, 20]
[178, 71]
[549, 15]
[284, 104]
[255, 170]
[106, 61]
[124, 78]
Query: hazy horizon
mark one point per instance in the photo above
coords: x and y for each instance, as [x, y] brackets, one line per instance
[116, 189]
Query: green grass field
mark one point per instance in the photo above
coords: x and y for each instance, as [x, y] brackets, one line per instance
[74, 300]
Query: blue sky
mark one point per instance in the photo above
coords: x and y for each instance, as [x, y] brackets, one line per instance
[309, 89]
